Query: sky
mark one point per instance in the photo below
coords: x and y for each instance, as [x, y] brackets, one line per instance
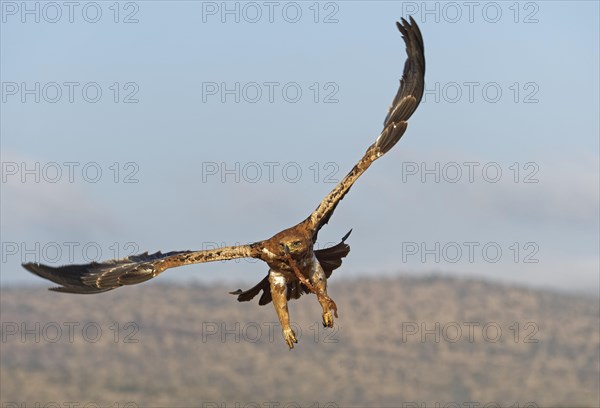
[152, 125]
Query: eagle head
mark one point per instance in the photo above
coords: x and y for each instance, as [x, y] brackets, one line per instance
[294, 245]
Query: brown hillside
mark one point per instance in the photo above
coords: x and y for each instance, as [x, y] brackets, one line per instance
[398, 342]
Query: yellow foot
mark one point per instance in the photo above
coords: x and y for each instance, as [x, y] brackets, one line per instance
[289, 337]
[327, 319]
[328, 305]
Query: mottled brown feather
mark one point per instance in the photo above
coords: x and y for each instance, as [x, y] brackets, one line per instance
[329, 258]
[98, 277]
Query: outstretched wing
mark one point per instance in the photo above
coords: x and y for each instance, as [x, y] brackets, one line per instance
[99, 277]
[412, 82]
[403, 106]
[329, 258]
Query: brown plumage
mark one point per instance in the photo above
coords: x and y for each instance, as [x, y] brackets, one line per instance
[329, 258]
[289, 253]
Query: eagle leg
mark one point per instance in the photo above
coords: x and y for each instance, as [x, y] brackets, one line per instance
[317, 285]
[278, 285]
[319, 281]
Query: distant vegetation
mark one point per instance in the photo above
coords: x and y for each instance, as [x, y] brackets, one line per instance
[398, 342]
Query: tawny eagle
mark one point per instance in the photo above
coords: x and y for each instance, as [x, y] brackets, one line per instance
[294, 266]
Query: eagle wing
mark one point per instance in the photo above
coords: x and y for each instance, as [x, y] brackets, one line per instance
[403, 106]
[99, 277]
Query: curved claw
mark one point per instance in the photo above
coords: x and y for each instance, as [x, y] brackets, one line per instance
[290, 338]
[327, 319]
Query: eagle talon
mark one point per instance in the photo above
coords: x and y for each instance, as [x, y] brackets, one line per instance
[327, 319]
[290, 337]
[328, 306]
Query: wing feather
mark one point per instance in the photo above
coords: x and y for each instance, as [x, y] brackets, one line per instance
[98, 277]
[405, 103]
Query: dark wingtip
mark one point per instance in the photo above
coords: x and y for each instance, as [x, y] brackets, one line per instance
[30, 266]
[347, 235]
[41, 271]
[68, 282]
[38, 269]
[404, 23]
[410, 28]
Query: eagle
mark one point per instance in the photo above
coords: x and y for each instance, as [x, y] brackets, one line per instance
[295, 267]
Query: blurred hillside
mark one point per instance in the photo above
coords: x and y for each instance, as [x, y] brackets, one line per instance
[398, 342]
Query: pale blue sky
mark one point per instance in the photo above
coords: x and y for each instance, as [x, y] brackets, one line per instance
[174, 134]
